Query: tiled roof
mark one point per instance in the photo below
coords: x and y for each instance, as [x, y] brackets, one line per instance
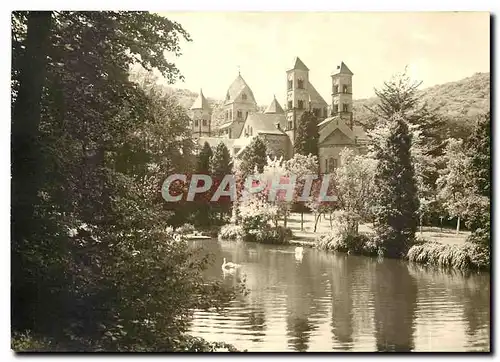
[299, 64]
[200, 102]
[315, 96]
[266, 122]
[274, 107]
[236, 88]
[342, 69]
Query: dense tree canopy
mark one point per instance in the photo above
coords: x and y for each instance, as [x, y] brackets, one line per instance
[307, 137]
[93, 260]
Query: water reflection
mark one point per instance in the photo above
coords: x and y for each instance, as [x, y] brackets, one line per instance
[327, 301]
[395, 292]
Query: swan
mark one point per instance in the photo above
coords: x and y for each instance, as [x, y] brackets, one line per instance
[299, 250]
[229, 265]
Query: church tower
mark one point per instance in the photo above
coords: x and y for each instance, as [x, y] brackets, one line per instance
[342, 93]
[239, 102]
[297, 99]
[201, 116]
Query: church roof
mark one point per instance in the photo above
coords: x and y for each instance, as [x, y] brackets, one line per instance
[342, 69]
[274, 107]
[299, 64]
[200, 102]
[266, 123]
[236, 88]
[315, 96]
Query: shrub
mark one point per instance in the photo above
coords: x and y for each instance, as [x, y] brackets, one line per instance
[267, 234]
[231, 232]
[343, 242]
[185, 229]
[464, 256]
[24, 342]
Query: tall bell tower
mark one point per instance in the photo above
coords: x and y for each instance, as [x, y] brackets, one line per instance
[297, 99]
[342, 93]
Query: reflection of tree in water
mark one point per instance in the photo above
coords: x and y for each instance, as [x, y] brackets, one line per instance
[395, 295]
[470, 290]
[299, 329]
[305, 288]
[342, 303]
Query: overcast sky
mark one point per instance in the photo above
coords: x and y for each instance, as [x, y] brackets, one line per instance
[437, 47]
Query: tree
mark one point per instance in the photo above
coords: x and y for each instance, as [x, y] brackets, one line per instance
[220, 166]
[29, 80]
[302, 166]
[452, 183]
[254, 157]
[400, 96]
[395, 191]
[307, 137]
[479, 182]
[204, 157]
[104, 146]
[353, 185]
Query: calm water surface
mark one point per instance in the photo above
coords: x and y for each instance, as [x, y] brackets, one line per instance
[338, 302]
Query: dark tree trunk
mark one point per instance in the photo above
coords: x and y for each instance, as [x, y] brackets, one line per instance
[26, 121]
[25, 151]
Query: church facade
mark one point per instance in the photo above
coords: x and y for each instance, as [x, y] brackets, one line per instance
[277, 126]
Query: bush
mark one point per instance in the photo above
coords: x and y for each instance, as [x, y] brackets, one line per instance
[357, 244]
[185, 229]
[271, 235]
[24, 342]
[464, 256]
[231, 232]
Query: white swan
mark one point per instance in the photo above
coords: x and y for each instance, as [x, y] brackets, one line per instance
[229, 265]
[299, 250]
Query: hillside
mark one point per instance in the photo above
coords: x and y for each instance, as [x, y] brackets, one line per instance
[458, 102]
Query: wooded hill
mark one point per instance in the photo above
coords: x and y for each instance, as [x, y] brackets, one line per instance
[458, 102]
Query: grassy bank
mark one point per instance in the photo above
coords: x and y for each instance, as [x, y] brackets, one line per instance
[264, 234]
[464, 256]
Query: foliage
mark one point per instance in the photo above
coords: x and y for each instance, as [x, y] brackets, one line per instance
[95, 266]
[220, 162]
[231, 232]
[459, 256]
[254, 157]
[185, 229]
[342, 238]
[307, 136]
[452, 182]
[353, 186]
[395, 193]
[319, 202]
[456, 103]
[204, 157]
[25, 342]
[268, 234]
[479, 182]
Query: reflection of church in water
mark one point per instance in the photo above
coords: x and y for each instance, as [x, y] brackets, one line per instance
[278, 126]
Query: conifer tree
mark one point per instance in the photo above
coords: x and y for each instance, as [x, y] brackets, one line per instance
[220, 162]
[203, 164]
[307, 137]
[479, 181]
[255, 155]
[395, 197]
[220, 166]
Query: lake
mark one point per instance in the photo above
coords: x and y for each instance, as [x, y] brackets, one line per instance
[337, 302]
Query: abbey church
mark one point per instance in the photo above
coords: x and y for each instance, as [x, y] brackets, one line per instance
[277, 126]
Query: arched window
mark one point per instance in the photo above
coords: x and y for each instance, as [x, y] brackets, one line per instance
[244, 97]
[300, 83]
[301, 104]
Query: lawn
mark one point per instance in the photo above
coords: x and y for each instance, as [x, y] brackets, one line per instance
[445, 236]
